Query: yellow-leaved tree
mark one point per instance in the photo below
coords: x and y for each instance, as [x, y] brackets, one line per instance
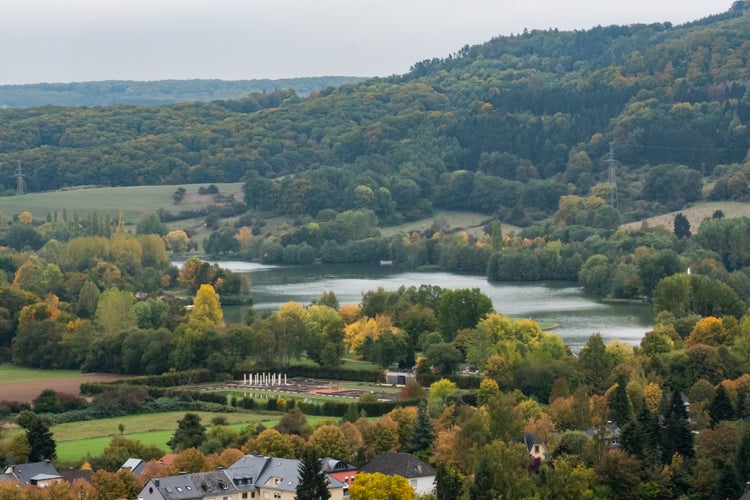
[207, 307]
[378, 486]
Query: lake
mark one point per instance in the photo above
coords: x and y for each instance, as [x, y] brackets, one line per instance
[577, 315]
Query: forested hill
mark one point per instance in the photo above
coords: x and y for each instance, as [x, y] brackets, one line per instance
[107, 93]
[505, 128]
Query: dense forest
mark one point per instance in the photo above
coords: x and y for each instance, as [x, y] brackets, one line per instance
[110, 92]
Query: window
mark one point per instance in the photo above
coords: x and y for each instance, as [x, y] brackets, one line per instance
[536, 448]
[244, 495]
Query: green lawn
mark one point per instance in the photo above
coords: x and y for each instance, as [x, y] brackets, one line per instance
[10, 374]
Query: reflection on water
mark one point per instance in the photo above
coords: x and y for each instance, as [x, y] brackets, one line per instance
[577, 315]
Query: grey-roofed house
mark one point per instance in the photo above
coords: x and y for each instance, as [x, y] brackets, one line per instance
[252, 476]
[421, 476]
[134, 465]
[277, 478]
[179, 487]
[535, 446]
[40, 474]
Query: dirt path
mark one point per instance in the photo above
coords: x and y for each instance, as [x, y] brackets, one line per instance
[26, 391]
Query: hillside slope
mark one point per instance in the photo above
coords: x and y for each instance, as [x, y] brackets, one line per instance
[504, 128]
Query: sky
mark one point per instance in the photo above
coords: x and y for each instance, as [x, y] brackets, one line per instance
[92, 40]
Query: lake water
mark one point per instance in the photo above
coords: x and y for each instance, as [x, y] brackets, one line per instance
[577, 315]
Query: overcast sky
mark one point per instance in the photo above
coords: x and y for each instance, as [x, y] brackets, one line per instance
[85, 40]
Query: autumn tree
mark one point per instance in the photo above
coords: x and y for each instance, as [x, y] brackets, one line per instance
[377, 486]
[329, 441]
[191, 460]
[207, 306]
[114, 485]
[177, 241]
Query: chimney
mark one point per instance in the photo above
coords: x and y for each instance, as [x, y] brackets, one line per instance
[156, 482]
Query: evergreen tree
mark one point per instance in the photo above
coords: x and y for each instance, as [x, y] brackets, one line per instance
[41, 443]
[312, 480]
[484, 483]
[681, 226]
[729, 485]
[677, 435]
[619, 404]
[424, 432]
[352, 413]
[189, 434]
[633, 439]
[652, 436]
[721, 407]
[449, 483]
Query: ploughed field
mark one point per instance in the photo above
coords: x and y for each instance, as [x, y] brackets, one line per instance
[22, 384]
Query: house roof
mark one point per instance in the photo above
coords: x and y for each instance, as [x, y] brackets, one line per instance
[329, 465]
[213, 483]
[37, 471]
[399, 464]
[530, 439]
[277, 473]
[134, 465]
[179, 487]
[168, 459]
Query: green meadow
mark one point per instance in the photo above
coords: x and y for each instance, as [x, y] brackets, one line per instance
[10, 374]
[77, 440]
[132, 201]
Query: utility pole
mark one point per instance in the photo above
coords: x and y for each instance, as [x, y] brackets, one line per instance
[19, 180]
[612, 179]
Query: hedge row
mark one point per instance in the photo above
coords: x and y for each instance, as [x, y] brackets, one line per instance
[171, 379]
[326, 409]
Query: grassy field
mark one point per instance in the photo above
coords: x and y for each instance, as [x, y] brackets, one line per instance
[695, 215]
[470, 222]
[10, 374]
[77, 449]
[132, 201]
[77, 440]
[142, 424]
